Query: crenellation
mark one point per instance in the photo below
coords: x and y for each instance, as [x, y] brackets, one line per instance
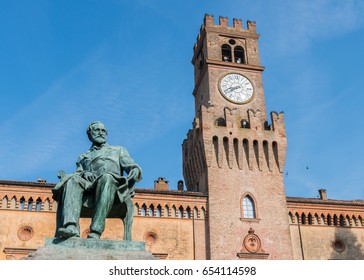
[238, 24]
[252, 26]
[266, 151]
[209, 20]
[278, 122]
[223, 21]
[255, 119]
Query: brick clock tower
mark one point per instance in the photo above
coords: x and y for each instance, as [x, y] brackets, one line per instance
[233, 152]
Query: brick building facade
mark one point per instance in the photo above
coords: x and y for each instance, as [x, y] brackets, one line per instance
[235, 206]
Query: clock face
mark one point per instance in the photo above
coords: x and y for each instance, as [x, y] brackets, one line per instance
[236, 88]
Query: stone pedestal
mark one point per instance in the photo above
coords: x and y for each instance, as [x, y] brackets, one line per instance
[76, 248]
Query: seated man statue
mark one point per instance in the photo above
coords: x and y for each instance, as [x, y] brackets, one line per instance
[99, 177]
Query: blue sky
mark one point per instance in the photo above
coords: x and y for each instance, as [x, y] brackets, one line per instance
[66, 63]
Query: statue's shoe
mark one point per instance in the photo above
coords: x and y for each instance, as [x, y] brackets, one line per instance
[69, 231]
[93, 235]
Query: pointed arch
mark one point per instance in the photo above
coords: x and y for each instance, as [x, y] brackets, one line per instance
[323, 219]
[13, 202]
[336, 220]
[195, 213]
[166, 211]
[136, 209]
[38, 205]
[303, 219]
[290, 218]
[248, 207]
[22, 203]
[188, 212]
[180, 212]
[143, 210]
[348, 221]
[203, 213]
[298, 218]
[47, 204]
[151, 211]
[30, 204]
[355, 221]
[4, 203]
[158, 211]
[173, 211]
[316, 219]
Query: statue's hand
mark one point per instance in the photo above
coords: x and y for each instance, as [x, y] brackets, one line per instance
[133, 174]
[88, 176]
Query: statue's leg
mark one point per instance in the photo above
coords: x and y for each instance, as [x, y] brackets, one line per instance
[128, 219]
[105, 191]
[71, 207]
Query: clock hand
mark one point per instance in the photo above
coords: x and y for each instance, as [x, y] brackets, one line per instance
[232, 88]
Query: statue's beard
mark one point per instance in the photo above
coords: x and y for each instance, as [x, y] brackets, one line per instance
[99, 140]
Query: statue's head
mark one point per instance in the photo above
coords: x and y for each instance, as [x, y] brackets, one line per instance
[97, 133]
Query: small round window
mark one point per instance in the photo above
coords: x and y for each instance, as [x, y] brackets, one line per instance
[338, 245]
[232, 42]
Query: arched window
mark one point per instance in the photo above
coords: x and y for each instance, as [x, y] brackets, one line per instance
[22, 203]
[166, 211]
[30, 204]
[38, 206]
[239, 55]
[13, 203]
[180, 212]
[202, 213]
[248, 208]
[47, 204]
[336, 220]
[173, 212]
[226, 53]
[158, 212]
[143, 211]
[136, 209]
[4, 205]
[151, 211]
[188, 213]
[195, 213]
[303, 219]
[290, 216]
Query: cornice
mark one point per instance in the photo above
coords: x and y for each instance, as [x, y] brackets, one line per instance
[302, 200]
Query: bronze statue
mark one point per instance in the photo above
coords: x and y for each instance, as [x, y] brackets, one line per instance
[98, 183]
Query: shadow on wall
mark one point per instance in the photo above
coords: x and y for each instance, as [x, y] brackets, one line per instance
[346, 246]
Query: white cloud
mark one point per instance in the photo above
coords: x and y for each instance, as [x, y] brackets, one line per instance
[296, 24]
[51, 130]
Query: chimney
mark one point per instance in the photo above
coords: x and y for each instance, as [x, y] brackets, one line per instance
[180, 185]
[323, 194]
[41, 180]
[161, 184]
